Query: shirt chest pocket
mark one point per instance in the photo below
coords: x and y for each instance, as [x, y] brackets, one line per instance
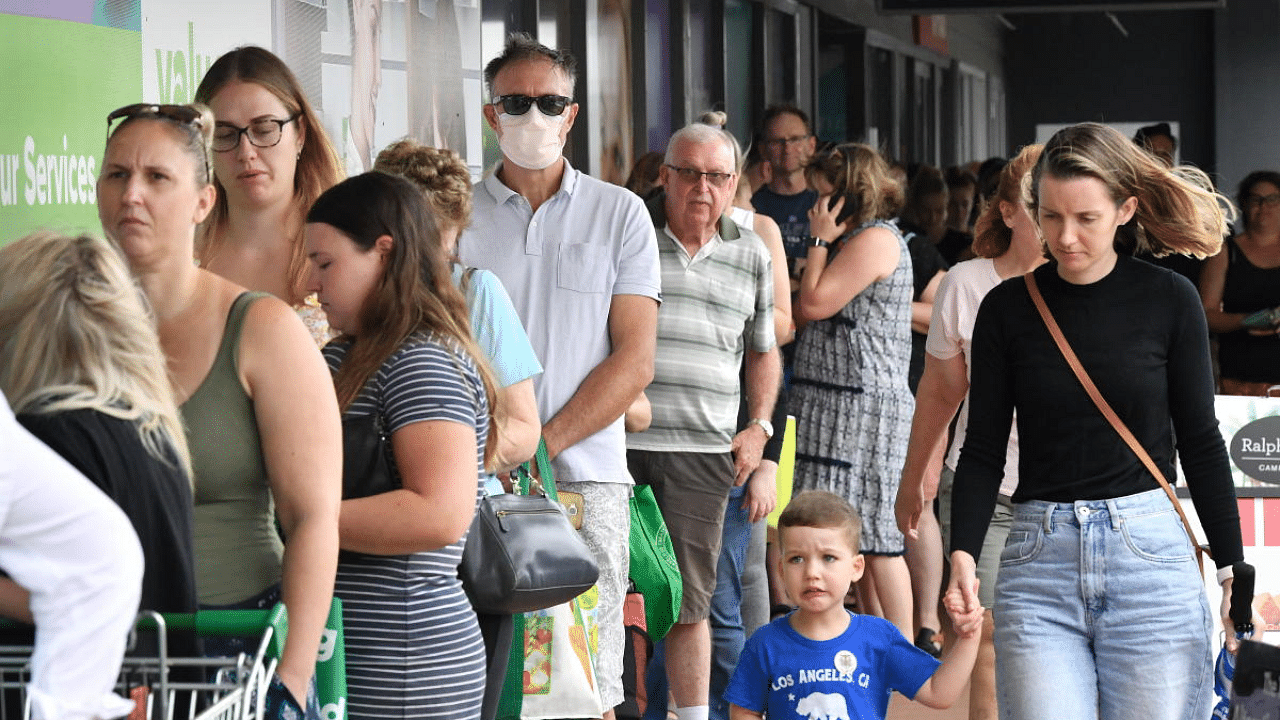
[583, 267]
[728, 305]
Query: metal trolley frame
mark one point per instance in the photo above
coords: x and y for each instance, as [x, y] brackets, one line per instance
[235, 688]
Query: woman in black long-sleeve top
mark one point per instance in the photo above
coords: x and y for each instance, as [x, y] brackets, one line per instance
[1102, 609]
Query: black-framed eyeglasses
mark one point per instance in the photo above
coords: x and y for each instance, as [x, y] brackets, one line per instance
[692, 175]
[181, 114]
[1262, 200]
[262, 132]
[520, 104]
[793, 140]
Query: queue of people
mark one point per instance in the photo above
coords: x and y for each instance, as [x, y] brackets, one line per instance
[198, 367]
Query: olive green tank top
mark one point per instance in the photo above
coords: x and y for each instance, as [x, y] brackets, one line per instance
[237, 550]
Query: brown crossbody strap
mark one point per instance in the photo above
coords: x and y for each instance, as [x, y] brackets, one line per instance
[1106, 410]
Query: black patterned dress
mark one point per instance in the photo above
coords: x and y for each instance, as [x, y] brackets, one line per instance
[851, 402]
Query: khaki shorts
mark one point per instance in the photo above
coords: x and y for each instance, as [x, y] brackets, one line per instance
[692, 490]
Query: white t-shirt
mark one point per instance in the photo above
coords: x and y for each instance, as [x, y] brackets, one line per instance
[955, 310]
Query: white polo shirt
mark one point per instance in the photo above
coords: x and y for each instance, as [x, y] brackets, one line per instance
[562, 266]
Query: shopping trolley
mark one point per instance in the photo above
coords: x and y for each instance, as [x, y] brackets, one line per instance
[230, 688]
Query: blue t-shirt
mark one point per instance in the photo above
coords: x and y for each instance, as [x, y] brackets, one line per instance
[791, 212]
[496, 327]
[787, 676]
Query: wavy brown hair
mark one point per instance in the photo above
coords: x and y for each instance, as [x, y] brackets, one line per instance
[991, 237]
[1178, 210]
[318, 165]
[440, 174]
[859, 174]
[416, 291]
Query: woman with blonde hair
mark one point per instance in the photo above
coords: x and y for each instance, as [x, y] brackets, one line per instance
[81, 363]
[849, 389]
[1008, 245]
[1100, 605]
[271, 160]
[405, 355]
[261, 418]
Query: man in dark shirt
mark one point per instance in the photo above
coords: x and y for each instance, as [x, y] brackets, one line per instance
[787, 143]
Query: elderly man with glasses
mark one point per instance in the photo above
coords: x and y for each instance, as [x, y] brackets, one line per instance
[718, 304]
[579, 259]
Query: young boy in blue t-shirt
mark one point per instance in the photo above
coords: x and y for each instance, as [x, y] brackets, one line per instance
[822, 662]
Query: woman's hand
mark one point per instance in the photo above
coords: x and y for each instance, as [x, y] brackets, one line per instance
[961, 598]
[822, 219]
[1271, 331]
[1232, 643]
[298, 685]
[908, 506]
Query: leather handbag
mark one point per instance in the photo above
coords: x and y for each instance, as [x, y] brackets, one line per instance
[1061, 341]
[521, 553]
[366, 462]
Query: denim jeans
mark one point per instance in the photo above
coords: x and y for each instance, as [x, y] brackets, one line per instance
[1102, 614]
[727, 636]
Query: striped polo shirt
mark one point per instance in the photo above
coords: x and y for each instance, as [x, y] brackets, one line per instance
[715, 305]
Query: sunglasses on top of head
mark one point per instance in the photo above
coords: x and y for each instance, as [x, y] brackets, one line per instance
[520, 104]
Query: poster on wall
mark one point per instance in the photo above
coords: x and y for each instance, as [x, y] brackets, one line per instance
[375, 71]
[67, 64]
[1250, 428]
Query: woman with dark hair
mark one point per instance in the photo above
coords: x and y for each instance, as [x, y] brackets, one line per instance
[849, 389]
[405, 353]
[271, 160]
[1100, 605]
[258, 407]
[1008, 244]
[445, 183]
[1240, 284]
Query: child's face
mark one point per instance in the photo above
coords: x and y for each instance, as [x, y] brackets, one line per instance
[818, 566]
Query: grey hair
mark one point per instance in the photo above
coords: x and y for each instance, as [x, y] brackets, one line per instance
[700, 134]
[522, 46]
[718, 119]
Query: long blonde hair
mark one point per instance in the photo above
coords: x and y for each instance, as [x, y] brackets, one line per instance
[76, 333]
[1178, 210]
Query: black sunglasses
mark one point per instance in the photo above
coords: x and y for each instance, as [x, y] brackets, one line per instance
[181, 114]
[184, 114]
[520, 104]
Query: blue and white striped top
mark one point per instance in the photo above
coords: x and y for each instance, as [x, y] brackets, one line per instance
[407, 621]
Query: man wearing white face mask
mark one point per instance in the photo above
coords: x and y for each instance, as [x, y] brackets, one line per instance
[579, 259]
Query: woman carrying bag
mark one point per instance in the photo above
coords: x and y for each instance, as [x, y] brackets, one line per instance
[1102, 608]
[405, 355]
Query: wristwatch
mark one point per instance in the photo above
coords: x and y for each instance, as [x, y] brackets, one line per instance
[765, 425]
[815, 241]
